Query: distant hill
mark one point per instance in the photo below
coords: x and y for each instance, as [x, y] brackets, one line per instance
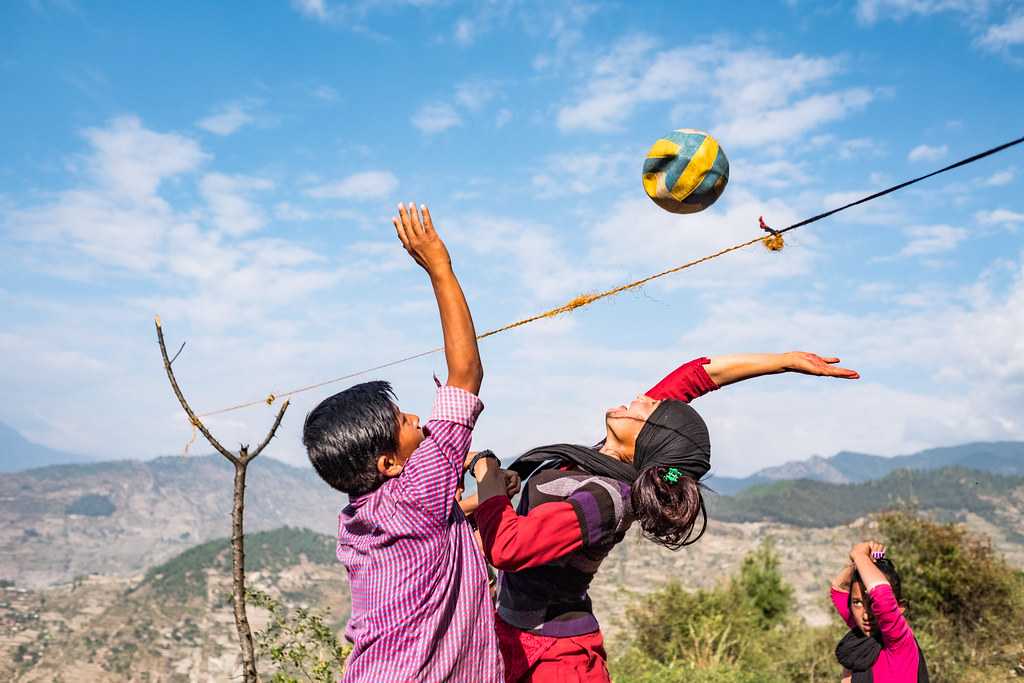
[175, 624]
[846, 467]
[947, 492]
[119, 518]
[18, 453]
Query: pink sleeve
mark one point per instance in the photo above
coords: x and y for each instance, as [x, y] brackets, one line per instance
[886, 611]
[841, 601]
[434, 470]
[685, 383]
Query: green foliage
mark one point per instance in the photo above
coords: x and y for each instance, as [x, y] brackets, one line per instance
[820, 504]
[760, 580]
[732, 626]
[91, 505]
[965, 603]
[300, 644]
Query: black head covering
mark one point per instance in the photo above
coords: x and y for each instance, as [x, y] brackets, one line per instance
[674, 435]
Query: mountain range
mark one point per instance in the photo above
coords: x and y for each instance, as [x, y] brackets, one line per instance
[849, 467]
[18, 453]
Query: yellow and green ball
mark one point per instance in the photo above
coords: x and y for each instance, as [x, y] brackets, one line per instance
[685, 171]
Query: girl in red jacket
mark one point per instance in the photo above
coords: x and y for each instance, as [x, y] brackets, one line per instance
[578, 503]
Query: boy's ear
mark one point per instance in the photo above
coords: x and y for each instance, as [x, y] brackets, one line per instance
[388, 465]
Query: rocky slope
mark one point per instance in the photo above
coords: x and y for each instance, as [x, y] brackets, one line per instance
[116, 518]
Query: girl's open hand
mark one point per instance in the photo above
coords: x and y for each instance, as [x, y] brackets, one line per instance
[822, 366]
[420, 239]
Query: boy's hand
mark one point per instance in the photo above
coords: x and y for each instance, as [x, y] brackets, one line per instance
[420, 239]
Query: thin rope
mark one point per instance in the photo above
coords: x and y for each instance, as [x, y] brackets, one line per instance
[772, 242]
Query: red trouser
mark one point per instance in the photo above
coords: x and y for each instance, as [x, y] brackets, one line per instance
[531, 658]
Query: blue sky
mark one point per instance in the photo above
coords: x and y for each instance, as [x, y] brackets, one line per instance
[233, 167]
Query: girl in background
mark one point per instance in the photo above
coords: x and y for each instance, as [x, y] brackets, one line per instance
[880, 647]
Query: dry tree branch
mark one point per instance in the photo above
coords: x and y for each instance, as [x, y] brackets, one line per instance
[241, 462]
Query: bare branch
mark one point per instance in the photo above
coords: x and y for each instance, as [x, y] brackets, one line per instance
[180, 349]
[181, 397]
[270, 434]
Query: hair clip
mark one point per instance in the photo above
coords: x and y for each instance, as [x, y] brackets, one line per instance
[671, 475]
[877, 555]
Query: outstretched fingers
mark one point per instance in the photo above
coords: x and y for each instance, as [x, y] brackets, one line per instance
[428, 222]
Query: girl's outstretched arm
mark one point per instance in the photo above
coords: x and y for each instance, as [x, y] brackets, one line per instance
[737, 367]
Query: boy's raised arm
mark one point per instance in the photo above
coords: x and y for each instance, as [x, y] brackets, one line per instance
[462, 356]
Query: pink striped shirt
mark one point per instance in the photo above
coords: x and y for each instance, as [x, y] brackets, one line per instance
[421, 610]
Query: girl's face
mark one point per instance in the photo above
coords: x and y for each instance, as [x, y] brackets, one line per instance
[859, 610]
[624, 423]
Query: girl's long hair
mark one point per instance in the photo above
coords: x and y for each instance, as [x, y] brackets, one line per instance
[669, 512]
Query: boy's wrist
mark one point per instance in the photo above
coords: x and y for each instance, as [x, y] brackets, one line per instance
[479, 464]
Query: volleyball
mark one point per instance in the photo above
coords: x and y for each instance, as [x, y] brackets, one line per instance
[685, 171]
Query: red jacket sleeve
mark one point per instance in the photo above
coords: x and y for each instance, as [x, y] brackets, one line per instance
[685, 383]
[513, 542]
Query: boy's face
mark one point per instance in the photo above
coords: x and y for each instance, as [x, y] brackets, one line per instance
[410, 435]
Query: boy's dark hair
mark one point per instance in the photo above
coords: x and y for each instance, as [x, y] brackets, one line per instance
[347, 432]
[669, 512]
[888, 569]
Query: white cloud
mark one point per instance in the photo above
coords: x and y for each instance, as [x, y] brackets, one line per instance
[132, 161]
[858, 147]
[757, 97]
[473, 95]
[228, 119]
[230, 207]
[1000, 178]
[581, 173]
[325, 93]
[530, 252]
[932, 239]
[359, 186]
[783, 124]
[314, 9]
[1003, 36]
[637, 234]
[871, 11]
[436, 118]
[779, 174]
[927, 153]
[999, 216]
[503, 117]
[465, 32]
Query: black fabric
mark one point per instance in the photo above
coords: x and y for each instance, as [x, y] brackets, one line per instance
[674, 435]
[858, 652]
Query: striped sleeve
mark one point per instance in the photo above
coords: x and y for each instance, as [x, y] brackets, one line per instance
[434, 470]
[600, 507]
